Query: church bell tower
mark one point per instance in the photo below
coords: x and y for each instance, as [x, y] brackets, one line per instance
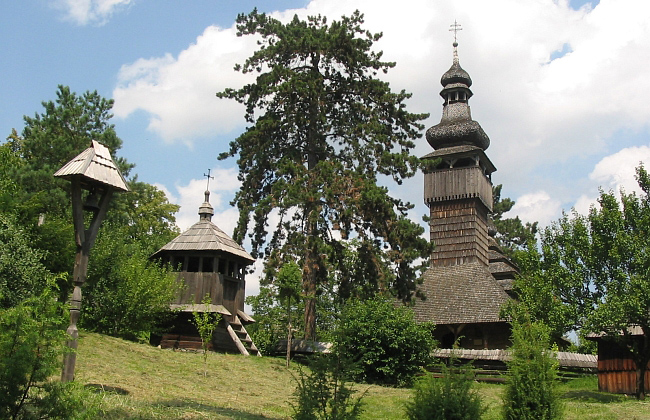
[457, 185]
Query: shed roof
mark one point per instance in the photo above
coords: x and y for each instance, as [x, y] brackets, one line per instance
[460, 294]
[94, 164]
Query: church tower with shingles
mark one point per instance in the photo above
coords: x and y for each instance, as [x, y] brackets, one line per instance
[463, 296]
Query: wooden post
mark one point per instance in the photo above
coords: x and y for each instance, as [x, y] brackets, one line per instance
[84, 239]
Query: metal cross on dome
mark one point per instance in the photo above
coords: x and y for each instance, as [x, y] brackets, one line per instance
[209, 178]
[455, 27]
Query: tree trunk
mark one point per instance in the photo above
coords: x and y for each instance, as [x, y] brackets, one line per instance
[642, 358]
[309, 289]
[312, 209]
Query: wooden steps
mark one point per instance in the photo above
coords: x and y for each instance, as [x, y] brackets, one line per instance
[229, 336]
[240, 337]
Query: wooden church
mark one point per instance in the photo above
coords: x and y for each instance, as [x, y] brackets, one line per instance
[208, 262]
[469, 278]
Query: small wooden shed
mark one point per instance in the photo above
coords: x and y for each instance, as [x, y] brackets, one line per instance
[209, 262]
[616, 367]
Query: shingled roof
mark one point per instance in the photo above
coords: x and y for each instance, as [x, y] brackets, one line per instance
[205, 236]
[94, 165]
[460, 294]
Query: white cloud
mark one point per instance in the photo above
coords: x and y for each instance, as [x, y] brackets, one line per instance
[179, 93]
[534, 109]
[536, 207]
[84, 12]
[613, 173]
[191, 195]
[619, 170]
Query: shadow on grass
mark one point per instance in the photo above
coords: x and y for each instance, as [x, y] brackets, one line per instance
[228, 412]
[593, 397]
[178, 409]
[100, 388]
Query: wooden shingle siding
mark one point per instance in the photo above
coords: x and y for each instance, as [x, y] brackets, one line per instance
[459, 231]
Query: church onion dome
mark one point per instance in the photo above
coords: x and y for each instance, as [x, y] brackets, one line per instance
[456, 76]
[456, 126]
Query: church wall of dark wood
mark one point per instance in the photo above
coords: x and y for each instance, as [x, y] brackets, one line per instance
[492, 335]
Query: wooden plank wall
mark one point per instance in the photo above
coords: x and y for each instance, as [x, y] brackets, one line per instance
[619, 376]
[197, 285]
[224, 290]
[456, 184]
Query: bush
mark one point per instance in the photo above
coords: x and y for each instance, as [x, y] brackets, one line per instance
[323, 393]
[32, 336]
[21, 272]
[450, 397]
[126, 295]
[383, 341]
[531, 391]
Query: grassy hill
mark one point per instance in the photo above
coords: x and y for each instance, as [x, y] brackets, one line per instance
[144, 382]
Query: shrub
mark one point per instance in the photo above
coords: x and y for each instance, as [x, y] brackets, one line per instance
[383, 341]
[21, 272]
[323, 393]
[32, 335]
[449, 397]
[126, 295]
[531, 391]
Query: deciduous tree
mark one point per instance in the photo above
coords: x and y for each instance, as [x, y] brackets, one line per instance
[594, 273]
[324, 132]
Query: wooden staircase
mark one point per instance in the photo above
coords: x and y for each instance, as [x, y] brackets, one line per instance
[240, 337]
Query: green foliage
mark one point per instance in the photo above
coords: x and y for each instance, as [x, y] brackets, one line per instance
[10, 161]
[323, 130]
[323, 392]
[383, 341]
[592, 272]
[21, 272]
[532, 387]
[450, 397]
[205, 323]
[32, 334]
[49, 140]
[145, 214]
[126, 295]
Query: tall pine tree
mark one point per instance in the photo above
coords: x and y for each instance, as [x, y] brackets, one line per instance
[323, 132]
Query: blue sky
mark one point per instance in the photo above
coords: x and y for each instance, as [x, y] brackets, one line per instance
[561, 88]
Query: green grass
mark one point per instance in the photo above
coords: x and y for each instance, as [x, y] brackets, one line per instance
[137, 381]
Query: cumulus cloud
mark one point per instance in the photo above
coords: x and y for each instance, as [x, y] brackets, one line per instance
[615, 172]
[536, 207]
[535, 109]
[84, 12]
[179, 92]
[190, 196]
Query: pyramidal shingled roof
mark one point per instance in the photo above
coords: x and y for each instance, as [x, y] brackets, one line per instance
[95, 165]
[205, 236]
